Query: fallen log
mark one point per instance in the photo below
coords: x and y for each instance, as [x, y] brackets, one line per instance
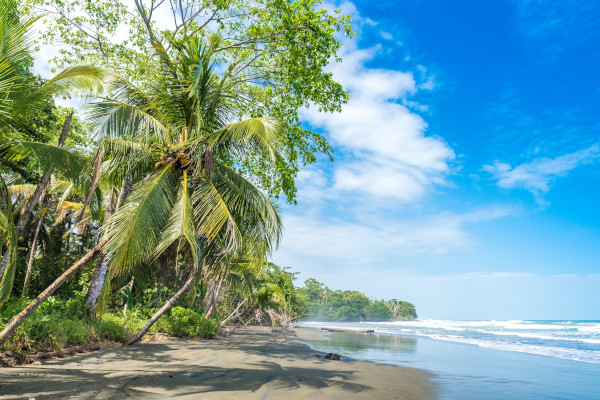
[71, 351]
[348, 330]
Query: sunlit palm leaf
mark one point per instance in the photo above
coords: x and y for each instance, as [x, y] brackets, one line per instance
[129, 114]
[136, 227]
[9, 241]
[47, 155]
[260, 134]
[181, 224]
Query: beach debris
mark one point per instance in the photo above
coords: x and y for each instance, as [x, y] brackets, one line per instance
[317, 355]
[332, 356]
[348, 330]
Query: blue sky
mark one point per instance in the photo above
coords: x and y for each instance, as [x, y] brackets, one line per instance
[467, 162]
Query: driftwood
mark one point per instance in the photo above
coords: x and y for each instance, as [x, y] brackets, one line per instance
[348, 330]
[71, 351]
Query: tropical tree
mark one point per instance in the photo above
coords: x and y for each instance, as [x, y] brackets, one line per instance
[281, 47]
[176, 141]
[22, 97]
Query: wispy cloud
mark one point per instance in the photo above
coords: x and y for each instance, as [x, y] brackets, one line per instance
[314, 240]
[559, 23]
[538, 175]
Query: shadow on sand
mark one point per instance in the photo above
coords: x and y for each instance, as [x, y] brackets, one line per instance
[244, 362]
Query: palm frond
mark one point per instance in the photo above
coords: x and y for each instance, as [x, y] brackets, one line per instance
[213, 216]
[65, 208]
[181, 223]
[127, 157]
[8, 238]
[136, 227]
[86, 79]
[258, 215]
[22, 190]
[47, 155]
[129, 113]
[16, 49]
[262, 135]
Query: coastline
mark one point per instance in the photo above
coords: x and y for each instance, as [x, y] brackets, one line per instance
[255, 362]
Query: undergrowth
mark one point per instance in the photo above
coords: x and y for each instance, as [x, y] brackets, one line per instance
[59, 324]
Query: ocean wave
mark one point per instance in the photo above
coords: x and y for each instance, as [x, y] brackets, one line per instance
[536, 335]
[590, 356]
[573, 340]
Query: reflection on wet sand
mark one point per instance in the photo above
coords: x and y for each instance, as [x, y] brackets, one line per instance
[355, 344]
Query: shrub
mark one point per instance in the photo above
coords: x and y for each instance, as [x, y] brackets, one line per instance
[111, 328]
[188, 323]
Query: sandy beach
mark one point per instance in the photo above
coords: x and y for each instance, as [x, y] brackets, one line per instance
[253, 363]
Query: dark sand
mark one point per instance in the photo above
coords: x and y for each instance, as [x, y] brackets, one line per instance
[254, 363]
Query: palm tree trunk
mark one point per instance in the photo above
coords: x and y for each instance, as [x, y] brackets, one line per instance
[215, 295]
[134, 338]
[98, 278]
[41, 187]
[43, 184]
[93, 184]
[18, 319]
[101, 269]
[32, 253]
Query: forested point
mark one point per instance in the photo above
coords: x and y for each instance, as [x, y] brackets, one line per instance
[153, 205]
[324, 304]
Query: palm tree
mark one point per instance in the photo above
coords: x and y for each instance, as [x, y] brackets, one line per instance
[20, 98]
[176, 141]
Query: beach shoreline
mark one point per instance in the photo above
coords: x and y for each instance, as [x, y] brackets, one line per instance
[255, 362]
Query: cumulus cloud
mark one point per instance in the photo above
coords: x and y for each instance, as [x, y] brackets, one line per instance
[390, 154]
[538, 175]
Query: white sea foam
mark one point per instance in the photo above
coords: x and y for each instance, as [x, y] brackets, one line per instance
[581, 339]
[536, 335]
[590, 356]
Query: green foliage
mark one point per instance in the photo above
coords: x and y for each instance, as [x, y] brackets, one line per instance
[325, 304]
[284, 279]
[188, 323]
[56, 325]
[62, 323]
[278, 49]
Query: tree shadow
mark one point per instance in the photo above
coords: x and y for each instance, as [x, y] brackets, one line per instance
[45, 382]
[174, 368]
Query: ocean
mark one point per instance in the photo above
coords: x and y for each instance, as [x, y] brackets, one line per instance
[481, 359]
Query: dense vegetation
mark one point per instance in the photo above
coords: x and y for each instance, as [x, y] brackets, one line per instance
[324, 304]
[155, 206]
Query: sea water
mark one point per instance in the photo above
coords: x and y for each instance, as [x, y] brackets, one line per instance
[482, 359]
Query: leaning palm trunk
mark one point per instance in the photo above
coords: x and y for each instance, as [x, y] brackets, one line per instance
[32, 253]
[35, 197]
[18, 319]
[43, 184]
[134, 338]
[215, 295]
[98, 278]
[101, 269]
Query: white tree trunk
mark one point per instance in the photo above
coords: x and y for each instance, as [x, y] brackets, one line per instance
[32, 253]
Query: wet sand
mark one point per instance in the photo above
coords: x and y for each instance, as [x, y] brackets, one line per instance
[253, 363]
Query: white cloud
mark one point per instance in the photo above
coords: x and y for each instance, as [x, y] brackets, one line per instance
[312, 241]
[386, 35]
[390, 154]
[538, 175]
